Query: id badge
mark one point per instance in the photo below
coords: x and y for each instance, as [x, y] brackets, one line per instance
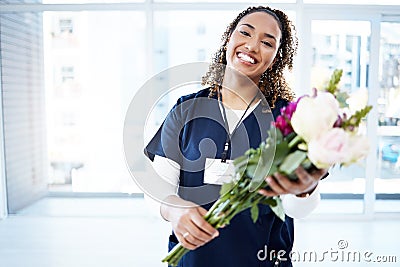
[217, 172]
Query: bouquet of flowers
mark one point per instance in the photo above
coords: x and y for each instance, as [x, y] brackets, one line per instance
[314, 132]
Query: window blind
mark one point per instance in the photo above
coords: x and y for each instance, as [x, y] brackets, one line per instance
[23, 96]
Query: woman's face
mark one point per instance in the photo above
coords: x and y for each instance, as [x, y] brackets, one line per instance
[253, 45]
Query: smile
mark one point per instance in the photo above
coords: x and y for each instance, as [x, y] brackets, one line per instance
[246, 58]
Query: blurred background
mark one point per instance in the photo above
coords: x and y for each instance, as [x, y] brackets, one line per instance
[69, 69]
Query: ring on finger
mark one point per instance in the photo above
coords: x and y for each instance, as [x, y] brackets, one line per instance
[185, 235]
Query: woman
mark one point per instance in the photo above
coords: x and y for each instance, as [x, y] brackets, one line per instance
[221, 122]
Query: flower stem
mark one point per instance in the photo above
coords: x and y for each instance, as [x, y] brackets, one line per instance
[297, 139]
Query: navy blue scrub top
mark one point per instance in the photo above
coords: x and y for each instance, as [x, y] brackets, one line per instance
[193, 131]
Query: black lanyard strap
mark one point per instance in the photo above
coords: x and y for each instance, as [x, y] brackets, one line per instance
[229, 135]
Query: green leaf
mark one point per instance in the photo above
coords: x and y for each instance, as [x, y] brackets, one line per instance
[274, 169]
[250, 170]
[254, 212]
[306, 164]
[240, 161]
[278, 209]
[263, 167]
[226, 187]
[282, 149]
[290, 136]
[292, 161]
[274, 135]
[240, 171]
[268, 201]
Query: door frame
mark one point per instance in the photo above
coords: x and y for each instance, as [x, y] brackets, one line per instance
[3, 187]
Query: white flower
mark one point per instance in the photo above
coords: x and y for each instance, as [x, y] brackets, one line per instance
[357, 100]
[329, 148]
[315, 115]
[357, 149]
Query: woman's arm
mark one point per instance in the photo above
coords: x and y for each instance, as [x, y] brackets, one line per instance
[186, 217]
[299, 207]
[169, 171]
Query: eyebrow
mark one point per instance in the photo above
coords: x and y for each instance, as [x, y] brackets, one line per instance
[266, 34]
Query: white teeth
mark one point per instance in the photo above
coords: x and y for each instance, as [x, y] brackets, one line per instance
[246, 58]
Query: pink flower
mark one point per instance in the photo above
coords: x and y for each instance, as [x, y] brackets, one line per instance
[357, 149]
[282, 124]
[283, 121]
[329, 148]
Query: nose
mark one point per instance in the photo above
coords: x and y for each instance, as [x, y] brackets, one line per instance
[251, 45]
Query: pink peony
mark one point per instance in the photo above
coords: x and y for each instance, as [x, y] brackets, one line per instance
[357, 149]
[329, 148]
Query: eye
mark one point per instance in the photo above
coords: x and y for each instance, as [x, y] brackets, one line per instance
[266, 43]
[245, 33]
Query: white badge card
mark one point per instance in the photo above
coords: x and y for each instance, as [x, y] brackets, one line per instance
[217, 172]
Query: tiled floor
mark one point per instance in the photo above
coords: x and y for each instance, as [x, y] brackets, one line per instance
[120, 232]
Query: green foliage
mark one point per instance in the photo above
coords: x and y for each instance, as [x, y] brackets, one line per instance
[226, 188]
[333, 83]
[278, 208]
[356, 118]
[268, 201]
[254, 212]
[262, 168]
[292, 161]
[333, 88]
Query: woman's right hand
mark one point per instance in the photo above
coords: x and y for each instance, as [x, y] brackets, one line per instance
[187, 221]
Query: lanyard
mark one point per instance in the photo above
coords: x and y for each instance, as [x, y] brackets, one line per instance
[229, 135]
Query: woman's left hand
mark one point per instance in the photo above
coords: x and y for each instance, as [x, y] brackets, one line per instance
[279, 184]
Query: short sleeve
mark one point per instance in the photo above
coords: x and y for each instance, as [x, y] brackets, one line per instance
[166, 142]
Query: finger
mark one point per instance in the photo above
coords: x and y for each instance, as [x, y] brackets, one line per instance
[202, 230]
[185, 242]
[285, 183]
[267, 193]
[275, 186]
[203, 224]
[319, 173]
[197, 236]
[304, 177]
[202, 211]
[190, 237]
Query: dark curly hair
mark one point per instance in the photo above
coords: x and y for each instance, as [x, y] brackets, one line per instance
[272, 82]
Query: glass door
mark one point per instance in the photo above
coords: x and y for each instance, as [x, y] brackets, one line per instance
[387, 182]
[92, 69]
[342, 44]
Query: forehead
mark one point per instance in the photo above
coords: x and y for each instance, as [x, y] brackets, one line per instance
[261, 21]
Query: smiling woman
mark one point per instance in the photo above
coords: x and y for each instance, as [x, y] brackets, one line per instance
[233, 114]
[264, 35]
[253, 45]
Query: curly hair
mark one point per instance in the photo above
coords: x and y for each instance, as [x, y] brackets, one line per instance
[272, 82]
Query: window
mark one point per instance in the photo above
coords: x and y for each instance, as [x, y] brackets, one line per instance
[90, 80]
[66, 26]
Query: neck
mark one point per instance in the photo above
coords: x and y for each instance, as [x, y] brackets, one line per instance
[237, 91]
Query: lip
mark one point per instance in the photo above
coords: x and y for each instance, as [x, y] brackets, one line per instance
[244, 61]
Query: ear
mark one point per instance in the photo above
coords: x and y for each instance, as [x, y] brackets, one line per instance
[273, 62]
